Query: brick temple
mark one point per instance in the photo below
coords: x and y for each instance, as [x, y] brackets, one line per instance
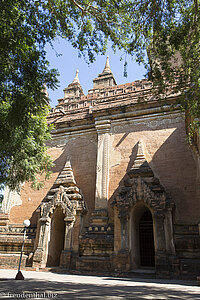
[124, 195]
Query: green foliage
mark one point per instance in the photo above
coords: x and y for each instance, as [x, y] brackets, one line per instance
[169, 31]
[23, 103]
[164, 29]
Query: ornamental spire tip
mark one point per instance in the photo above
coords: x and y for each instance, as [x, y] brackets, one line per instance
[76, 79]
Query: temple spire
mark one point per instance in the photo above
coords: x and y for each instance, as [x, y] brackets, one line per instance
[107, 66]
[76, 79]
[104, 79]
[73, 92]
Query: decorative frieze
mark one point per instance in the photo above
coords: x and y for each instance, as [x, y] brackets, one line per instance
[16, 229]
[151, 122]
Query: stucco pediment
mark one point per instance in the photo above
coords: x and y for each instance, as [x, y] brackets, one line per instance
[65, 194]
[60, 199]
[141, 186]
[139, 191]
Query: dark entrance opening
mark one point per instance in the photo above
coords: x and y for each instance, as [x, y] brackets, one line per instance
[56, 243]
[146, 240]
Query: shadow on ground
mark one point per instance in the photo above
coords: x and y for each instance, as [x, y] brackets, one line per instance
[13, 289]
[153, 280]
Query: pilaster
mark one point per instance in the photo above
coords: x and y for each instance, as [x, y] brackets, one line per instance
[168, 225]
[69, 222]
[161, 257]
[40, 255]
[102, 170]
[66, 255]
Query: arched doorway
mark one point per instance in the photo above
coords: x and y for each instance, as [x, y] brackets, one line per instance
[142, 237]
[146, 240]
[56, 242]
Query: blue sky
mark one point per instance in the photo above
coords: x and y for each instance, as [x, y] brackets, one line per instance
[68, 62]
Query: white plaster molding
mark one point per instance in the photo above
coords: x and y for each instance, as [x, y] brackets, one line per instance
[149, 121]
[151, 118]
[60, 140]
[11, 199]
[78, 128]
[102, 126]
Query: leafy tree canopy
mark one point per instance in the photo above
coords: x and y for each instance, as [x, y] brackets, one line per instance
[165, 29]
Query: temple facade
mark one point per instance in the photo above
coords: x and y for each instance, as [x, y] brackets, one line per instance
[124, 195]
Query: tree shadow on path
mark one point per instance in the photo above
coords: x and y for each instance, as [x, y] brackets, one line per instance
[11, 289]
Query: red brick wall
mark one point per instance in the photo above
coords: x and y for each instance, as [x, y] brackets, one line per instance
[82, 153]
[31, 199]
[165, 148]
[171, 160]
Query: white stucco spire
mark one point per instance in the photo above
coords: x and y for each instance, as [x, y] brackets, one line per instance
[76, 79]
[107, 66]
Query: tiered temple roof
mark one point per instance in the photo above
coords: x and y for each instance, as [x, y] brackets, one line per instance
[105, 94]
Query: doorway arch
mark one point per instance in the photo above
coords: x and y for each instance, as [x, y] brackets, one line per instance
[57, 235]
[142, 237]
[146, 240]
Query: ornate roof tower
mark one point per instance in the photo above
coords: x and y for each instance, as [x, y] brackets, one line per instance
[106, 78]
[73, 92]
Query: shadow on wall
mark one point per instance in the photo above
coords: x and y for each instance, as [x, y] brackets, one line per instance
[60, 161]
[173, 164]
[130, 164]
[58, 166]
[83, 157]
[82, 154]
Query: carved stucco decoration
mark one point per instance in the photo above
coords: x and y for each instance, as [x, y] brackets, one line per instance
[140, 185]
[139, 191]
[69, 207]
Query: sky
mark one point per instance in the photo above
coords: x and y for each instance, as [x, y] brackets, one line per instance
[68, 61]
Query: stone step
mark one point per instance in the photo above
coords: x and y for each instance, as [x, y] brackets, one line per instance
[4, 219]
[93, 263]
[94, 243]
[99, 217]
[12, 260]
[143, 273]
[99, 248]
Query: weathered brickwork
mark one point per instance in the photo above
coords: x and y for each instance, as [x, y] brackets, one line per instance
[82, 152]
[32, 198]
[124, 191]
[170, 157]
